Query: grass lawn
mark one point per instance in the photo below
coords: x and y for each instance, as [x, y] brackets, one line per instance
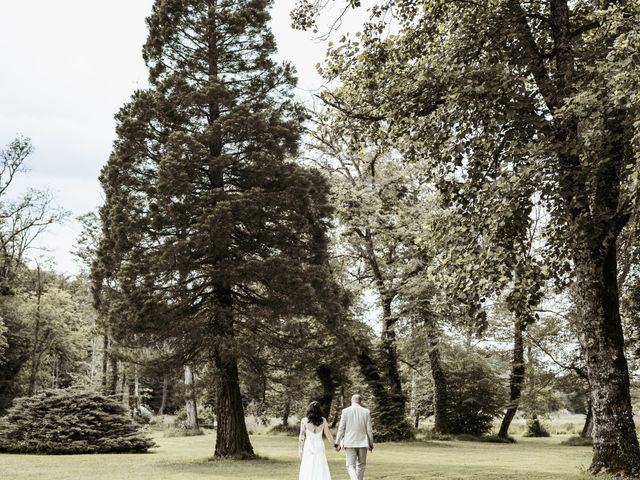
[188, 459]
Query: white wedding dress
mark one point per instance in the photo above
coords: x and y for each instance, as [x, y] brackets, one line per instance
[314, 465]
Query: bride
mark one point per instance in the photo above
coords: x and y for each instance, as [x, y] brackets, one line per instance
[314, 464]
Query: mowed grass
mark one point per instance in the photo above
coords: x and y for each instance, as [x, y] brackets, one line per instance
[190, 459]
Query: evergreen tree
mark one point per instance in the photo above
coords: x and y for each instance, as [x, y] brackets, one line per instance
[209, 229]
[70, 422]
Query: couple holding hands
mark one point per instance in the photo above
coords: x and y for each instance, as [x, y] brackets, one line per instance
[355, 436]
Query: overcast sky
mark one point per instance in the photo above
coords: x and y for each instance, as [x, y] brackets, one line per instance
[67, 67]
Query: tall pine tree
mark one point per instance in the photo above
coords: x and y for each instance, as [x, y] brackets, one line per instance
[209, 229]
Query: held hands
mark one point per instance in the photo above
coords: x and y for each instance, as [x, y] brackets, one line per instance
[337, 447]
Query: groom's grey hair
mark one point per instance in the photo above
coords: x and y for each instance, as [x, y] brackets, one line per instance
[356, 399]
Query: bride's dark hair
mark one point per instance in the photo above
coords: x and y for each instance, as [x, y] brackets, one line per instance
[314, 414]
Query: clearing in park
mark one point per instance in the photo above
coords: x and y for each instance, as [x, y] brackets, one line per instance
[188, 458]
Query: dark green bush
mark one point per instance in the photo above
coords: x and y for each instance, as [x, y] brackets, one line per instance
[70, 422]
[476, 392]
[536, 429]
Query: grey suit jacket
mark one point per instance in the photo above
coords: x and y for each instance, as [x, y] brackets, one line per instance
[355, 430]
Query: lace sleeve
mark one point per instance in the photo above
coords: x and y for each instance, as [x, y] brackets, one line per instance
[302, 436]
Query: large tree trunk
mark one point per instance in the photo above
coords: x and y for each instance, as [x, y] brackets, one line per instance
[94, 350]
[136, 388]
[232, 438]
[286, 412]
[329, 384]
[389, 374]
[516, 381]
[191, 407]
[113, 375]
[390, 353]
[587, 429]
[440, 391]
[391, 424]
[126, 390]
[105, 364]
[615, 443]
[595, 218]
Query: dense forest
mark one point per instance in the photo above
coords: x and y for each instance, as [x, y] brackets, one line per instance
[451, 231]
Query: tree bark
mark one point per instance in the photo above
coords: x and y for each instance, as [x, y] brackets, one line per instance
[286, 412]
[390, 352]
[414, 393]
[105, 364]
[126, 390]
[136, 388]
[615, 442]
[329, 384]
[113, 377]
[395, 397]
[391, 424]
[587, 429]
[191, 408]
[516, 381]
[94, 349]
[232, 437]
[595, 222]
[440, 391]
[165, 392]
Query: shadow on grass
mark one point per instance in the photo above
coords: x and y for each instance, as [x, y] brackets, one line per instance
[421, 442]
[231, 466]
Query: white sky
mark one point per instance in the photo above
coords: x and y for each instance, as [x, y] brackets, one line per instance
[67, 67]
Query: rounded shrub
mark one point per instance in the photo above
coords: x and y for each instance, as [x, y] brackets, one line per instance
[70, 422]
[535, 428]
[475, 390]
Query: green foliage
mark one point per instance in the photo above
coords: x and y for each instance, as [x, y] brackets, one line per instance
[213, 203]
[290, 430]
[3, 341]
[206, 417]
[516, 105]
[535, 428]
[70, 422]
[23, 219]
[476, 392]
[212, 236]
[16, 353]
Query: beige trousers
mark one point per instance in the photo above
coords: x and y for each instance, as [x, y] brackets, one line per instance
[356, 462]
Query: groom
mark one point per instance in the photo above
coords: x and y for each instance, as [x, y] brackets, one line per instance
[355, 435]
